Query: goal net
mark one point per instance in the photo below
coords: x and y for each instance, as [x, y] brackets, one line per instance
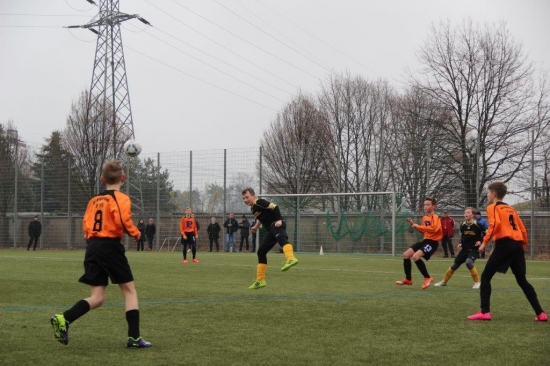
[366, 222]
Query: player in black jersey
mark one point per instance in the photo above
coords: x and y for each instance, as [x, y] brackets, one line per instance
[268, 214]
[470, 240]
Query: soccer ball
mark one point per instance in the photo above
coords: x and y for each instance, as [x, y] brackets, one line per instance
[132, 147]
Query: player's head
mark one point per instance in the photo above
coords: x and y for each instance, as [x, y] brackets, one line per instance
[249, 196]
[112, 172]
[496, 191]
[188, 211]
[429, 205]
[469, 213]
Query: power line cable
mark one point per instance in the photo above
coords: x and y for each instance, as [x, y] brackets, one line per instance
[224, 47]
[215, 68]
[250, 43]
[197, 78]
[275, 38]
[214, 57]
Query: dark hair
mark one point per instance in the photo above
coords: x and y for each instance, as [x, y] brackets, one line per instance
[249, 190]
[499, 189]
[112, 171]
[432, 200]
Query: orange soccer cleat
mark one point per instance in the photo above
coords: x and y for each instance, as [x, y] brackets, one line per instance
[404, 282]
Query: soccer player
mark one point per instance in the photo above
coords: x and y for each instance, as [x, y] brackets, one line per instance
[433, 233]
[471, 235]
[108, 216]
[268, 214]
[510, 236]
[189, 234]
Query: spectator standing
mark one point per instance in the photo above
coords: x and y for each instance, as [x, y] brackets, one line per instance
[484, 225]
[141, 227]
[448, 226]
[35, 230]
[244, 225]
[213, 231]
[150, 231]
[231, 226]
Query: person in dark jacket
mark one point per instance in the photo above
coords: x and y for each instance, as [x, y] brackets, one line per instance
[141, 227]
[35, 230]
[244, 225]
[232, 226]
[150, 231]
[214, 233]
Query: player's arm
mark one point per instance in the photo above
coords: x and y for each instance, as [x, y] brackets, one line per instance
[492, 226]
[523, 231]
[182, 226]
[254, 228]
[125, 206]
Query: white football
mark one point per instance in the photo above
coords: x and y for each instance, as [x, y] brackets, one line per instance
[132, 148]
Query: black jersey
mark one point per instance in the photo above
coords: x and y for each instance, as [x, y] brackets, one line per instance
[471, 232]
[265, 211]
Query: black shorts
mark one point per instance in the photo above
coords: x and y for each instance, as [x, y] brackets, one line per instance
[190, 239]
[105, 259]
[507, 253]
[427, 246]
[275, 235]
[465, 254]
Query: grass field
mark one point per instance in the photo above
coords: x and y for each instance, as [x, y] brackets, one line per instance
[327, 310]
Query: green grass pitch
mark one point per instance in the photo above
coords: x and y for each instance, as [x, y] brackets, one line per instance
[327, 310]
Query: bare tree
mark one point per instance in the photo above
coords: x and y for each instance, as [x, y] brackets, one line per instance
[358, 113]
[298, 150]
[481, 78]
[90, 137]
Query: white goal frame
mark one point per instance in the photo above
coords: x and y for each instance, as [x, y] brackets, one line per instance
[393, 208]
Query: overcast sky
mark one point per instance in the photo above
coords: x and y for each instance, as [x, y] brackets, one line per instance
[213, 74]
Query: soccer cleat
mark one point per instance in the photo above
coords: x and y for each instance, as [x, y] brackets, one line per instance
[404, 281]
[427, 282]
[440, 283]
[289, 263]
[137, 343]
[185, 261]
[195, 260]
[476, 285]
[60, 328]
[257, 285]
[480, 316]
[542, 317]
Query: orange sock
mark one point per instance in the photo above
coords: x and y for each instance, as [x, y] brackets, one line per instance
[475, 275]
[289, 251]
[260, 272]
[448, 275]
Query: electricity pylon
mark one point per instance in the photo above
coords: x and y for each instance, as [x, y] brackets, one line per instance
[109, 91]
[109, 88]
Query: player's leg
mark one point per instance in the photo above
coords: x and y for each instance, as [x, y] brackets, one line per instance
[266, 245]
[426, 251]
[193, 240]
[519, 269]
[459, 260]
[282, 238]
[407, 266]
[129, 292]
[472, 256]
[184, 248]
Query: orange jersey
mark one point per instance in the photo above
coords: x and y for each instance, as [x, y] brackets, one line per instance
[504, 222]
[109, 215]
[431, 227]
[188, 225]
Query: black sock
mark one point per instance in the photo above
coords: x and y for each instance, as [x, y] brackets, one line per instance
[78, 310]
[408, 268]
[422, 268]
[132, 317]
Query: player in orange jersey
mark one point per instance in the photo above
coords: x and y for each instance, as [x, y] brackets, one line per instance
[510, 236]
[433, 233]
[107, 218]
[189, 234]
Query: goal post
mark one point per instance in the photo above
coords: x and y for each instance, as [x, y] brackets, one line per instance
[364, 222]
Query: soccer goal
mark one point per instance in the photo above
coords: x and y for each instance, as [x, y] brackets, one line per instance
[365, 222]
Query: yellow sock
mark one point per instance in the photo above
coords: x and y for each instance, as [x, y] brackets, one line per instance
[260, 272]
[474, 274]
[289, 251]
[448, 275]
